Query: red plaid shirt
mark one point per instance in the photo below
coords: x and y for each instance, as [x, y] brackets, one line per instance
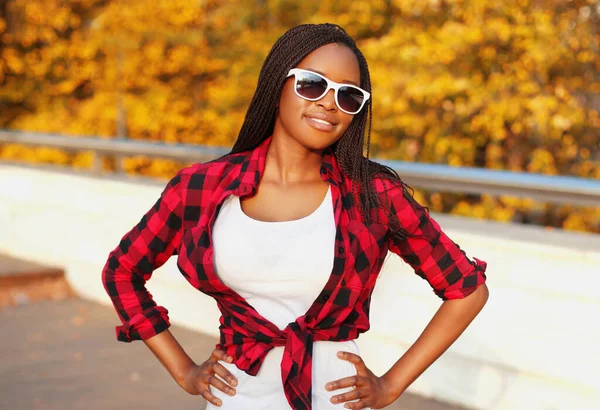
[181, 221]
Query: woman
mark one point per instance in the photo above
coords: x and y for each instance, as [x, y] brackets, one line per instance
[288, 234]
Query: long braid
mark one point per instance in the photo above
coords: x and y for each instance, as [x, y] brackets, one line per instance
[286, 53]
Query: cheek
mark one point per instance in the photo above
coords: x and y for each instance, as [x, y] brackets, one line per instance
[291, 106]
[345, 122]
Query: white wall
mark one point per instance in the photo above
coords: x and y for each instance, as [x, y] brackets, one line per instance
[535, 346]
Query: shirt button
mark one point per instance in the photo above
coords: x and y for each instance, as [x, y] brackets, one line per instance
[341, 249]
[325, 297]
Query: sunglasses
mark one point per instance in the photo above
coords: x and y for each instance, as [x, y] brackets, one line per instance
[313, 86]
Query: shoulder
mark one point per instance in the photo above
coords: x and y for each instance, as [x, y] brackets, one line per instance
[206, 174]
[386, 182]
[395, 196]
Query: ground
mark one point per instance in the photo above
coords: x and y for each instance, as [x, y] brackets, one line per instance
[62, 354]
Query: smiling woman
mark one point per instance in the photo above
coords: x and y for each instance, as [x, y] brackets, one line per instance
[288, 234]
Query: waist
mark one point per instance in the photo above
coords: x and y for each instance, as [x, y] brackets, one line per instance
[325, 363]
[323, 351]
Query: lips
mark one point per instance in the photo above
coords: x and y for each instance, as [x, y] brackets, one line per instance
[321, 122]
[322, 118]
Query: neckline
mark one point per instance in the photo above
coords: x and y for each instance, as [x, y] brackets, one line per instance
[326, 200]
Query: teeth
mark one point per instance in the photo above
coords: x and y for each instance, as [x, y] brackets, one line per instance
[321, 121]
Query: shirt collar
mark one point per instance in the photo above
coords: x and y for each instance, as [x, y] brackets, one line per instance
[254, 165]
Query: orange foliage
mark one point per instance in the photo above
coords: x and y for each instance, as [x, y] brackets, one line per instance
[504, 85]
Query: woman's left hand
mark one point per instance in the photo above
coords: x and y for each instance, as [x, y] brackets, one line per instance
[372, 391]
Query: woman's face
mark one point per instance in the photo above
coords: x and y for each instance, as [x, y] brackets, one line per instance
[299, 118]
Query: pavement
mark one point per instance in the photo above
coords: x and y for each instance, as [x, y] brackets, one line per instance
[63, 354]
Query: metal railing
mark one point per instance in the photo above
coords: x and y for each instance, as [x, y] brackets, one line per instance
[554, 189]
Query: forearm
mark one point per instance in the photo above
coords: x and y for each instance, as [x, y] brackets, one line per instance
[449, 322]
[170, 353]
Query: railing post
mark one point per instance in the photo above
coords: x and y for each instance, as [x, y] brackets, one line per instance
[119, 167]
[97, 167]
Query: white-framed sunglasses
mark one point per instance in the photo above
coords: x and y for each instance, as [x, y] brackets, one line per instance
[313, 86]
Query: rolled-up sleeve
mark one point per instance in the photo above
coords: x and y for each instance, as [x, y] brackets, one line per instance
[147, 246]
[428, 250]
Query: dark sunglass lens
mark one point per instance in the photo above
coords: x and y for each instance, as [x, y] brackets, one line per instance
[310, 85]
[350, 98]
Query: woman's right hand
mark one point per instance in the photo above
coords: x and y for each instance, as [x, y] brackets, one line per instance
[199, 378]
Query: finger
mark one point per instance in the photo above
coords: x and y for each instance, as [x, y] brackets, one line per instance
[225, 374]
[351, 395]
[355, 359]
[351, 357]
[356, 405]
[209, 397]
[217, 355]
[341, 383]
[219, 384]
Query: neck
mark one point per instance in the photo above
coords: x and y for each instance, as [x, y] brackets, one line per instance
[290, 162]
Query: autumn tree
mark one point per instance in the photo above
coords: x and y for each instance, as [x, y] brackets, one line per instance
[509, 84]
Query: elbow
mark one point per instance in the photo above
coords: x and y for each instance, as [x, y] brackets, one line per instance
[471, 304]
[480, 296]
[108, 273]
[475, 300]
[485, 292]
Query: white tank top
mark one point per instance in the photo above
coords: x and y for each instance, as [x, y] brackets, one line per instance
[279, 268]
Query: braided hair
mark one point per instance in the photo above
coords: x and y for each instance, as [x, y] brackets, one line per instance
[259, 121]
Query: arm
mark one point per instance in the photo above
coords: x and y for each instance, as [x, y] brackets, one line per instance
[456, 279]
[142, 250]
[451, 319]
[194, 379]
[171, 355]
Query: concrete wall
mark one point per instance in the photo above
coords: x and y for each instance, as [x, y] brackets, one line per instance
[535, 346]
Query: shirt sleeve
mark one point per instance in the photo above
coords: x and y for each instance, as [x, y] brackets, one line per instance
[428, 250]
[147, 246]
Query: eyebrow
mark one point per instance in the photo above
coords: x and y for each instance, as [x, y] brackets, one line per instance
[345, 81]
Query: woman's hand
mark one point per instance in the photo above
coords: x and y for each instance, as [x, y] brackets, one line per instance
[373, 392]
[199, 378]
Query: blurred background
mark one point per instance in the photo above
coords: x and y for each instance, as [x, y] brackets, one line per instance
[509, 85]
[490, 109]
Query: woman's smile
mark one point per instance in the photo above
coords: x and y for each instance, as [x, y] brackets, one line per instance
[321, 121]
[319, 124]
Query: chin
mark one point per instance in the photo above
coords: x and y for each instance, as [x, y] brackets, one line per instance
[318, 144]
[316, 140]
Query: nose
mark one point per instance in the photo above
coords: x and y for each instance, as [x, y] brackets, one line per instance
[328, 101]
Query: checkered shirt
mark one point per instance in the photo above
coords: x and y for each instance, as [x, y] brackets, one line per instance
[180, 223]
